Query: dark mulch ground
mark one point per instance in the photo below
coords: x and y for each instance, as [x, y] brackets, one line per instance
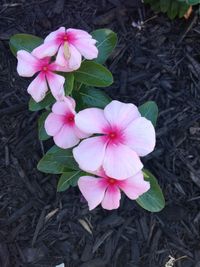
[39, 227]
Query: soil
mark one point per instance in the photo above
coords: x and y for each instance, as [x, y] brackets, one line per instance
[160, 62]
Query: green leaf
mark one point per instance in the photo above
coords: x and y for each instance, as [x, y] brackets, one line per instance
[190, 2]
[149, 110]
[41, 130]
[23, 41]
[88, 97]
[68, 179]
[153, 200]
[46, 102]
[93, 74]
[183, 9]
[69, 83]
[173, 10]
[164, 5]
[57, 160]
[107, 41]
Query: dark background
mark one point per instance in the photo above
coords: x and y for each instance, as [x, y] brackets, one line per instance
[160, 62]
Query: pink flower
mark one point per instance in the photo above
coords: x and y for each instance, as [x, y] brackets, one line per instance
[28, 65]
[70, 45]
[123, 136]
[60, 124]
[106, 190]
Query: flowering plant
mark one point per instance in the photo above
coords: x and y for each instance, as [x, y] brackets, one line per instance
[98, 141]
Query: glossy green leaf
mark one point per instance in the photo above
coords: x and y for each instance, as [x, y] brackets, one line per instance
[23, 41]
[149, 110]
[173, 10]
[106, 42]
[69, 83]
[190, 2]
[88, 97]
[68, 179]
[153, 200]
[93, 74]
[41, 130]
[57, 160]
[46, 102]
[164, 5]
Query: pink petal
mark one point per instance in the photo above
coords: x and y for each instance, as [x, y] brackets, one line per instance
[93, 190]
[56, 85]
[75, 58]
[134, 186]
[76, 33]
[140, 136]
[60, 58]
[91, 120]
[48, 49]
[121, 114]
[38, 88]
[112, 198]
[80, 134]
[27, 64]
[55, 35]
[66, 137]
[63, 108]
[86, 47]
[121, 162]
[53, 124]
[90, 153]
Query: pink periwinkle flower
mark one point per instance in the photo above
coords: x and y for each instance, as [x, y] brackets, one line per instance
[122, 136]
[28, 65]
[60, 124]
[106, 190]
[70, 45]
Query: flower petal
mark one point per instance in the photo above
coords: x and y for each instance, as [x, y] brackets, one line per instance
[55, 35]
[121, 162]
[75, 58]
[64, 107]
[53, 123]
[27, 64]
[56, 85]
[38, 88]
[86, 47]
[48, 49]
[91, 120]
[140, 136]
[60, 58]
[90, 153]
[112, 198]
[121, 114]
[93, 190]
[66, 137]
[76, 33]
[134, 186]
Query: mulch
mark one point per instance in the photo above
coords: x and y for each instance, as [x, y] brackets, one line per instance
[160, 62]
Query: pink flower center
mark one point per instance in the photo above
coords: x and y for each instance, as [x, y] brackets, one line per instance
[45, 68]
[69, 119]
[111, 181]
[113, 135]
[65, 37]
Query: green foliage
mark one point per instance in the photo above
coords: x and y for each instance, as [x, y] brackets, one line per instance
[88, 97]
[45, 103]
[149, 110]
[41, 130]
[173, 8]
[68, 179]
[106, 42]
[23, 41]
[93, 74]
[153, 200]
[57, 160]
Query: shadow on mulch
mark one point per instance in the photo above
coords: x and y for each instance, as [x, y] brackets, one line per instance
[161, 62]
